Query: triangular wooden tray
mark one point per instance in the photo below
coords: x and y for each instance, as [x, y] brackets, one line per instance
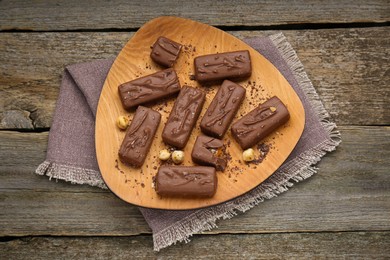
[135, 185]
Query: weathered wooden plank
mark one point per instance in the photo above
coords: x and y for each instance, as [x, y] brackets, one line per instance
[21, 152]
[79, 213]
[349, 68]
[350, 192]
[65, 15]
[31, 66]
[345, 245]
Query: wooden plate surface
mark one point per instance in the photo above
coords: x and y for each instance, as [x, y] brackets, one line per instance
[135, 185]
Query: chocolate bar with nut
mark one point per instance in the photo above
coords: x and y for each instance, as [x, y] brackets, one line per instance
[209, 151]
[260, 122]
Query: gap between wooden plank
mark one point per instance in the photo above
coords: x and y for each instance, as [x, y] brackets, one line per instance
[285, 27]
[338, 245]
[209, 234]
[73, 14]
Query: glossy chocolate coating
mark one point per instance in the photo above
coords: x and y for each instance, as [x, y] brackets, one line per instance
[165, 51]
[222, 109]
[139, 136]
[209, 151]
[227, 65]
[149, 88]
[260, 122]
[183, 116]
[186, 181]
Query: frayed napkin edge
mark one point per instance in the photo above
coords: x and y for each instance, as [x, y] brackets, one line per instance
[66, 173]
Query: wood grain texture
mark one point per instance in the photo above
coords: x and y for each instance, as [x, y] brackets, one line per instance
[123, 180]
[74, 15]
[347, 194]
[345, 245]
[348, 67]
[30, 77]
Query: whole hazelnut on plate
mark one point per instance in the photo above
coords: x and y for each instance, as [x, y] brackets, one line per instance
[122, 122]
[248, 155]
[164, 155]
[178, 156]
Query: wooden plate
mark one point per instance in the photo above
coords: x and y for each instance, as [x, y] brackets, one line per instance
[135, 185]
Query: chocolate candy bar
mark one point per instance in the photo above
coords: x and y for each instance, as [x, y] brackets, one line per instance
[260, 122]
[227, 65]
[186, 181]
[139, 136]
[149, 88]
[183, 116]
[209, 151]
[222, 109]
[165, 51]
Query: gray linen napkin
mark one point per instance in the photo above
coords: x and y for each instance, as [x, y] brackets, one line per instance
[71, 149]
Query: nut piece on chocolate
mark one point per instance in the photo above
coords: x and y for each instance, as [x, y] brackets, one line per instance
[149, 88]
[165, 51]
[209, 151]
[260, 122]
[222, 109]
[182, 119]
[220, 66]
[139, 136]
[186, 181]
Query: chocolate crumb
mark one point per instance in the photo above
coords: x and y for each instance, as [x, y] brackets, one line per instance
[228, 156]
[264, 148]
[117, 167]
[154, 182]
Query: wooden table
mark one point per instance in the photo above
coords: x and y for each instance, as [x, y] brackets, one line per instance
[342, 211]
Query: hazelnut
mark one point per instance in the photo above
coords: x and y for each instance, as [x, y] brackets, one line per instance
[178, 156]
[122, 122]
[273, 109]
[248, 155]
[164, 155]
